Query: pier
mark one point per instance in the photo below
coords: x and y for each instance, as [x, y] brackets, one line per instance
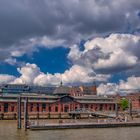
[83, 125]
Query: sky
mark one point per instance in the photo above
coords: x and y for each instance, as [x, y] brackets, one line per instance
[44, 42]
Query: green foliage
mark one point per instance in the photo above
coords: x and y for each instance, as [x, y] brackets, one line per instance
[124, 103]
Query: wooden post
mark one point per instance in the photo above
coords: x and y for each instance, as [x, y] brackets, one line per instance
[116, 109]
[130, 108]
[19, 112]
[25, 113]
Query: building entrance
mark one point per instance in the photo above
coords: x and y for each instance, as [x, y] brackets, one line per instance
[66, 108]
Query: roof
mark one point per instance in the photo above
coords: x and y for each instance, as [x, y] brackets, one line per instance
[91, 97]
[30, 100]
[97, 102]
[62, 90]
[30, 95]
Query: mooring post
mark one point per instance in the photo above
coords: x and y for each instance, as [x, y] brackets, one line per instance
[19, 112]
[116, 109]
[25, 113]
[130, 108]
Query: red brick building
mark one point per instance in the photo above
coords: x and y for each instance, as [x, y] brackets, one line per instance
[63, 99]
[135, 100]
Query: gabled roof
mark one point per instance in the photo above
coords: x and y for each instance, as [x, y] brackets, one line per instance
[62, 90]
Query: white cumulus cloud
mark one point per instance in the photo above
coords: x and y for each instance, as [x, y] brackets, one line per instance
[32, 75]
[131, 83]
[117, 60]
[75, 75]
[115, 53]
[28, 74]
[108, 89]
[5, 78]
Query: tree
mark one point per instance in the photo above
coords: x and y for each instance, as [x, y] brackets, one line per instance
[124, 103]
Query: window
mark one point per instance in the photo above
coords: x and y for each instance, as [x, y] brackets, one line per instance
[101, 107]
[49, 108]
[31, 107]
[81, 106]
[44, 107]
[12, 107]
[96, 108]
[37, 107]
[86, 106]
[56, 108]
[114, 107]
[5, 107]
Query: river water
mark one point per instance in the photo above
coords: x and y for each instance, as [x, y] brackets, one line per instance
[9, 131]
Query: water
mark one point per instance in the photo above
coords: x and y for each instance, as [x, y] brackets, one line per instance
[8, 131]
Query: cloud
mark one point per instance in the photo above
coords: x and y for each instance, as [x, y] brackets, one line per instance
[117, 61]
[31, 45]
[131, 85]
[32, 75]
[11, 61]
[112, 54]
[79, 74]
[108, 89]
[47, 79]
[28, 47]
[27, 25]
[5, 78]
[67, 22]
[75, 75]
[28, 73]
